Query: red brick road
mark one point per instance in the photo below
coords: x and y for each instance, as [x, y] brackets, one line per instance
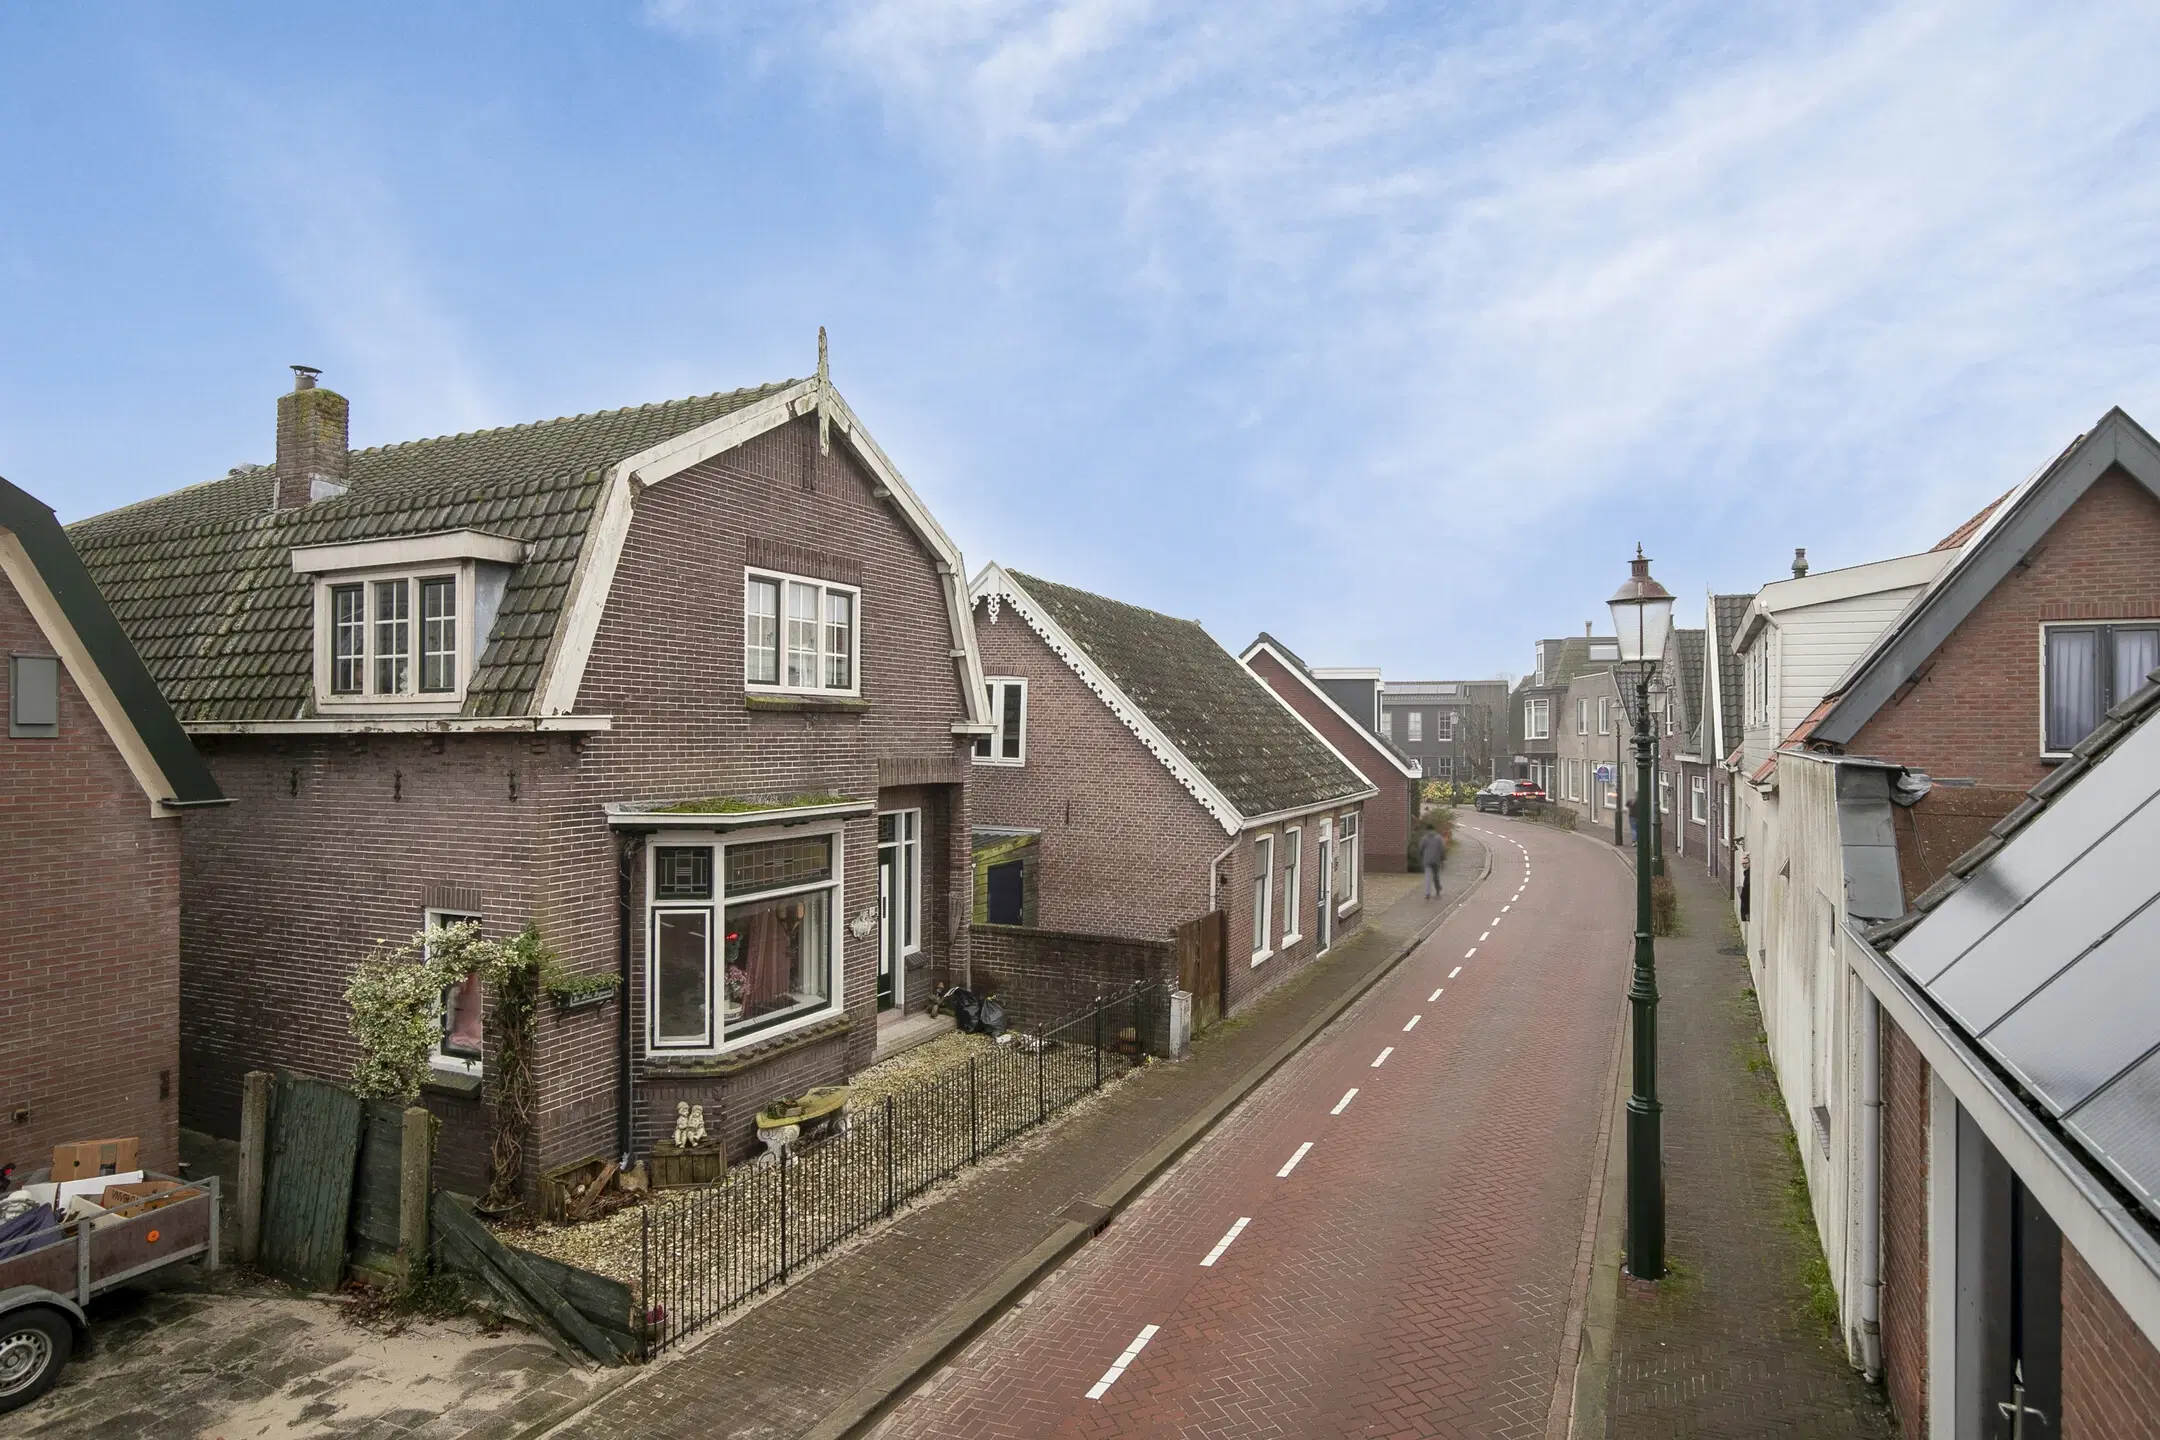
[1410, 1275]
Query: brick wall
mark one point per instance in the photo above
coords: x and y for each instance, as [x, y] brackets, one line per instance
[1388, 814]
[2111, 1372]
[1904, 1229]
[1974, 710]
[1044, 976]
[89, 936]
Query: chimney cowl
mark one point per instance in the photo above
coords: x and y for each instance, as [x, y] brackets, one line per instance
[313, 442]
[1799, 561]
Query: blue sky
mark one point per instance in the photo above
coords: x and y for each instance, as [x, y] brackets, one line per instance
[1387, 327]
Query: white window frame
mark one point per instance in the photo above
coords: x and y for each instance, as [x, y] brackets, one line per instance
[1537, 718]
[989, 748]
[907, 840]
[1604, 715]
[1293, 906]
[715, 907]
[1582, 717]
[411, 700]
[1263, 897]
[2107, 697]
[1664, 793]
[1699, 799]
[438, 1061]
[1417, 727]
[780, 686]
[1351, 846]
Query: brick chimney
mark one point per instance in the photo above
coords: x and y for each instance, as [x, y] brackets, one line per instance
[312, 432]
[1799, 561]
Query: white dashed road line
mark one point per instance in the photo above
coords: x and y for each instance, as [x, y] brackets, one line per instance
[1132, 1352]
[1291, 1163]
[1344, 1103]
[1483, 938]
[1436, 994]
[1413, 1023]
[1224, 1243]
[1381, 1058]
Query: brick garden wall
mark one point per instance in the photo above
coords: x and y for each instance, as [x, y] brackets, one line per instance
[1904, 1229]
[89, 936]
[1974, 711]
[1389, 814]
[1044, 976]
[2111, 1373]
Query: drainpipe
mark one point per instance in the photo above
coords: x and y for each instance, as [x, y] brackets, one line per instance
[625, 868]
[1215, 865]
[1870, 1185]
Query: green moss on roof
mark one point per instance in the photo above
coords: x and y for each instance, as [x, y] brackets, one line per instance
[735, 805]
[201, 578]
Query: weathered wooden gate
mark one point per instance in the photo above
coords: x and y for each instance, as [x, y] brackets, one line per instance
[308, 1184]
[1200, 951]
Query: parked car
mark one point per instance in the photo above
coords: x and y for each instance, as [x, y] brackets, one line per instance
[1508, 796]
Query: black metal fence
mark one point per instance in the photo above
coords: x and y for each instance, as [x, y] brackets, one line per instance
[709, 1249]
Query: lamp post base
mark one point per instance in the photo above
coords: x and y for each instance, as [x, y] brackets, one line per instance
[1646, 1189]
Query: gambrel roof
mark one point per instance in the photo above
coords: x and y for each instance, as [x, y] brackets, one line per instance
[1234, 745]
[203, 580]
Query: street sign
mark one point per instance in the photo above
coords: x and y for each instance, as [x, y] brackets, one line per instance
[1603, 774]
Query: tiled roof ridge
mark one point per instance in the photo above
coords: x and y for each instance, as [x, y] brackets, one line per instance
[1965, 531]
[770, 387]
[2121, 720]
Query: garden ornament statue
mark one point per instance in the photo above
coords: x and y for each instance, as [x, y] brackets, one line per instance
[689, 1124]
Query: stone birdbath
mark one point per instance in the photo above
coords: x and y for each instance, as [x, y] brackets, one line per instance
[814, 1113]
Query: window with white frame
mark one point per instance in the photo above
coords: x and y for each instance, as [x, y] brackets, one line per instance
[1446, 728]
[1349, 857]
[1006, 744]
[1664, 793]
[800, 636]
[1445, 768]
[900, 831]
[395, 637]
[461, 1035]
[1417, 725]
[743, 938]
[2086, 669]
[1604, 715]
[1293, 885]
[1699, 799]
[1582, 717]
[1263, 894]
[1537, 718]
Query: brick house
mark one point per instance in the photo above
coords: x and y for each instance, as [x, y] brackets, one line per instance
[1392, 812]
[1676, 699]
[689, 686]
[1594, 753]
[1535, 721]
[1721, 724]
[1455, 729]
[1946, 734]
[1164, 781]
[95, 778]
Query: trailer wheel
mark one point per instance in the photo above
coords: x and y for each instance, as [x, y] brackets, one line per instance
[35, 1343]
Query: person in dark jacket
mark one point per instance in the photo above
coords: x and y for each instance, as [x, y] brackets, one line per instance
[1432, 854]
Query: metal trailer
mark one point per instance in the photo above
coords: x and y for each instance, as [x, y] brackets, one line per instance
[44, 1292]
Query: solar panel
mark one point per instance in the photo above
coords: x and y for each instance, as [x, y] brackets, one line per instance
[2049, 956]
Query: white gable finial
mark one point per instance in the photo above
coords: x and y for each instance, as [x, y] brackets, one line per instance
[824, 389]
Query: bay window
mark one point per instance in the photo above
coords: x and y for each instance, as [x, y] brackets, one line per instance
[2086, 670]
[744, 938]
[800, 636]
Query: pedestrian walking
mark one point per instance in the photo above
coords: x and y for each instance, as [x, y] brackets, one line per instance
[1432, 854]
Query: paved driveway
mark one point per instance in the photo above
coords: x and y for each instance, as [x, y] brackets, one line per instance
[1381, 1241]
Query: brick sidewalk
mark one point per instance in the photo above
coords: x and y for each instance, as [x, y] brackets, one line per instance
[786, 1366]
[1728, 1345]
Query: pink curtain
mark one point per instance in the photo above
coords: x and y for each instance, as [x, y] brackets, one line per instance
[765, 956]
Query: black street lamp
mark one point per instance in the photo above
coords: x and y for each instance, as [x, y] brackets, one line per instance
[1642, 614]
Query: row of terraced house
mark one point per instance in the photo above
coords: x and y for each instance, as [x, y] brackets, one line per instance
[700, 690]
[1930, 785]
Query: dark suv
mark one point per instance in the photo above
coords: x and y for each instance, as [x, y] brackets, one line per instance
[1508, 796]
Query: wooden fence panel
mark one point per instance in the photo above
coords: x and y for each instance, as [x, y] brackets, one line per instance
[378, 1196]
[1200, 965]
[307, 1192]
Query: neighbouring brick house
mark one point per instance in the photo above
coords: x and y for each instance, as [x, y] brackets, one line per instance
[689, 686]
[1534, 716]
[1392, 812]
[1162, 780]
[95, 775]
[1967, 715]
[1721, 723]
[1683, 787]
[1457, 730]
[1595, 758]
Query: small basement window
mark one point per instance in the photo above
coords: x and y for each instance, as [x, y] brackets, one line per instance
[33, 697]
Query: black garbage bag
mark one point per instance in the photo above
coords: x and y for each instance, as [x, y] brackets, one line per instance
[990, 1017]
[965, 1007]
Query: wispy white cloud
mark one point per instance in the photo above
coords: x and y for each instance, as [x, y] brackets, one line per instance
[1517, 272]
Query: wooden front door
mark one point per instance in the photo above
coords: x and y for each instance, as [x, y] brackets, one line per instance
[1324, 924]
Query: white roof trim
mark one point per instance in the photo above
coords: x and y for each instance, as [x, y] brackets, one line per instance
[1347, 672]
[564, 670]
[1897, 573]
[407, 550]
[995, 581]
[630, 817]
[1413, 770]
[410, 725]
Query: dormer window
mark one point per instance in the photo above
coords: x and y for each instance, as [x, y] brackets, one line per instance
[399, 623]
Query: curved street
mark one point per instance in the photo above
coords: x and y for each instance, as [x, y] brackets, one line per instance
[1384, 1239]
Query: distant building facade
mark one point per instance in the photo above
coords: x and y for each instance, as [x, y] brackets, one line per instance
[1456, 730]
